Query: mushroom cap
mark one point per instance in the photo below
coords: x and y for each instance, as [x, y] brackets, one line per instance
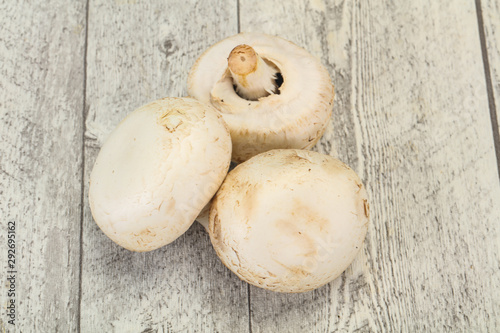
[157, 170]
[294, 118]
[289, 220]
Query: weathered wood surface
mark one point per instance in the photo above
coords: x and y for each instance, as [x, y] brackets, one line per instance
[411, 117]
[41, 100]
[138, 52]
[490, 14]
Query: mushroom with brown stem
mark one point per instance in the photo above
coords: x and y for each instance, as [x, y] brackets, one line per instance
[271, 93]
[289, 220]
[157, 170]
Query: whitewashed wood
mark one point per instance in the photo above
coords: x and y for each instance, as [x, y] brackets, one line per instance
[41, 127]
[139, 51]
[491, 22]
[411, 116]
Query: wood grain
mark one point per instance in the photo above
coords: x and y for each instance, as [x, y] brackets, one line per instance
[41, 127]
[411, 116]
[138, 52]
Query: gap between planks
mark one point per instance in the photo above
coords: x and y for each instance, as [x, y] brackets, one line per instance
[489, 85]
[82, 188]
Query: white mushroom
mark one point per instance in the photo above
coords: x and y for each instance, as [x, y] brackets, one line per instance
[289, 220]
[271, 93]
[157, 170]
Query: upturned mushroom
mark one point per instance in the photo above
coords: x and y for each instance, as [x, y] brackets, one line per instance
[157, 170]
[289, 220]
[271, 93]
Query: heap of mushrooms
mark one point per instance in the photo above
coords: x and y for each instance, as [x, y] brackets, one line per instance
[285, 219]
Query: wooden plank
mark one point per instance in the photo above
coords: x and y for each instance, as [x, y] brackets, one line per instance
[41, 109]
[411, 116]
[490, 13]
[307, 25]
[138, 52]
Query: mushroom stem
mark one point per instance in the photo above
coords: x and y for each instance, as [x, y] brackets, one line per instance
[253, 76]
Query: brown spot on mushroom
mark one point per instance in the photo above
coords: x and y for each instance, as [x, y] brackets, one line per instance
[296, 156]
[146, 232]
[294, 272]
[311, 218]
[171, 119]
[237, 60]
[215, 227]
[367, 208]
[298, 271]
[145, 236]
[251, 198]
[303, 225]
